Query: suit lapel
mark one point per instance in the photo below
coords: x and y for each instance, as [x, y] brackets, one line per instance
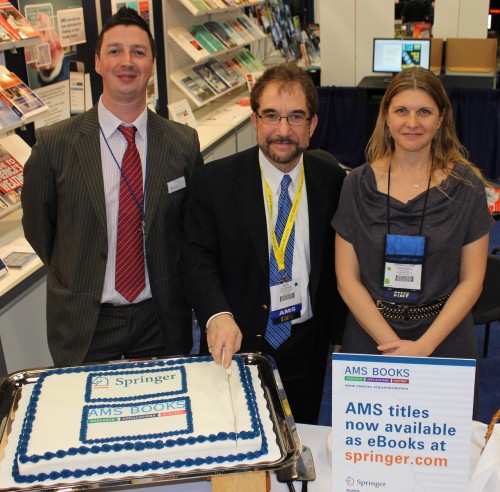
[88, 151]
[250, 202]
[317, 201]
[158, 149]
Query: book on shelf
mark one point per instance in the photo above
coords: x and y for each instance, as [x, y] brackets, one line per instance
[231, 67]
[228, 77]
[212, 4]
[18, 97]
[249, 61]
[220, 34]
[15, 24]
[237, 65]
[3, 268]
[19, 259]
[9, 119]
[239, 40]
[192, 46]
[244, 33]
[12, 197]
[11, 174]
[197, 87]
[205, 38]
[200, 5]
[221, 4]
[250, 26]
[211, 78]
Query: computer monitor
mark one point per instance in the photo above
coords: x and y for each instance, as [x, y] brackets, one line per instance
[394, 55]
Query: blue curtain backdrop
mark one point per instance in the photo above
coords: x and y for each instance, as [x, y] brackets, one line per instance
[343, 127]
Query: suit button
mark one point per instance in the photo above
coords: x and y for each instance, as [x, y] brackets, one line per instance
[104, 256]
[265, 308]
[259, 335]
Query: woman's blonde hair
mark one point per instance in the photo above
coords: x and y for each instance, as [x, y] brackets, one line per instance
[445, 147]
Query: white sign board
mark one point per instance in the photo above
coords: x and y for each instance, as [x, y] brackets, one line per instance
[401, 423]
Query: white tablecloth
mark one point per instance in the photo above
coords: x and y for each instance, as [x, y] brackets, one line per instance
[313, 436]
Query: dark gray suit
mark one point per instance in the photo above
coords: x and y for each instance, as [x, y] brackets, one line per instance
[64, 220]
[225, 260]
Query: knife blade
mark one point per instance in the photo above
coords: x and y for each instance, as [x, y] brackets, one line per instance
[229, 373]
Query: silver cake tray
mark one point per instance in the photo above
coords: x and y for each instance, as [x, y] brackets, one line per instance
[287, 437]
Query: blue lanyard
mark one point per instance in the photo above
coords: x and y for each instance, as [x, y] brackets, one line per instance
[140, 206]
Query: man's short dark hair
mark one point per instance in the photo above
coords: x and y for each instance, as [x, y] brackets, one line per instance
[286, 75]
[125, 17]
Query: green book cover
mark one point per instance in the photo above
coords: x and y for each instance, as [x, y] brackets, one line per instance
[200, 4]
[247, 61]
[255, 61]
[200, 33]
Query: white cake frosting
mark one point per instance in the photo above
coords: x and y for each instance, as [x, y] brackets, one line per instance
[130, 418]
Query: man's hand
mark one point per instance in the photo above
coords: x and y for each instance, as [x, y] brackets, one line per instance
[223, 335]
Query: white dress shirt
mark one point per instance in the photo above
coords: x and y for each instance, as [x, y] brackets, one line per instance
[301, 266]
[113, 146]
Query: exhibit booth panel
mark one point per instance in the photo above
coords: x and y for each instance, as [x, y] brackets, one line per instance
[471, 63]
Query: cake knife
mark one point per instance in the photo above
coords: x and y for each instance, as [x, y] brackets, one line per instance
[229, 373]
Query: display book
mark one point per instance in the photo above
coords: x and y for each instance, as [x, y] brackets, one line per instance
[11, 179]
[15, 29]
[201, 41]
[140, 418]
[206, 81]
[207, 5]
[276, 20]
[18, 103]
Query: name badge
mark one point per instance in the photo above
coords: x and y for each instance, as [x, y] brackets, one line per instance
[403, 267]
[286, 302]
[176, 184]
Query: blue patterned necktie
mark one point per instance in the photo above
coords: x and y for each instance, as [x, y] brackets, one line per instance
[276, 334]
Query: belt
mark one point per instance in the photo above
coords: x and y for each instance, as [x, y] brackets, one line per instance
[394, 310]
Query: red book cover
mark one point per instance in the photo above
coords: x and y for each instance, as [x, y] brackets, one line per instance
[11, 172]
[15, 23]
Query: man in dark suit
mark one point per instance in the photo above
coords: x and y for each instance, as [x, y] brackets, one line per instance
[101, 303]
[247, 279]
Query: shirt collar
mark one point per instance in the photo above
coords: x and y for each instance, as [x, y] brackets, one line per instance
[273, 176]
[109, 122]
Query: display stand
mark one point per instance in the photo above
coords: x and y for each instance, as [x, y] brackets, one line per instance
[257, 481]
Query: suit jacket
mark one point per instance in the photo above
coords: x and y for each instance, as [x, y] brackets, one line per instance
[64, 220]
[225, 255]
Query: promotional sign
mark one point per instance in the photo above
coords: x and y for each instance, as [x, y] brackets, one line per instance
[401, 423]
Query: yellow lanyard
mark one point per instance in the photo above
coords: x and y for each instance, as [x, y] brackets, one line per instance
[279, 250]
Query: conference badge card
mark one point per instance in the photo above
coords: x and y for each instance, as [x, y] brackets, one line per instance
[401, 423]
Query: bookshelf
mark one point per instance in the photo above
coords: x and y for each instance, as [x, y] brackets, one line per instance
[190, 52]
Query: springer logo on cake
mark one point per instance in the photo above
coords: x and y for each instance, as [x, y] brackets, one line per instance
[135, 384]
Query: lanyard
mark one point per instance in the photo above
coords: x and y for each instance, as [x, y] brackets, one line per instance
[140, 206]
[388, 197]
[279, 250]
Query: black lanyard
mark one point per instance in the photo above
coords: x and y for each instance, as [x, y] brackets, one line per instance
[388, 198]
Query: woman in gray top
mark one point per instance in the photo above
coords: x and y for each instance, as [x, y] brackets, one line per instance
[412, 230]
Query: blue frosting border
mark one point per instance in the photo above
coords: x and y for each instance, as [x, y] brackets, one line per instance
[139, 437]
[152, 466]
[89, 386]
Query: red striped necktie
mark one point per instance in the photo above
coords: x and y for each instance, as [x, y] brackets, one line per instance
[130, 273]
